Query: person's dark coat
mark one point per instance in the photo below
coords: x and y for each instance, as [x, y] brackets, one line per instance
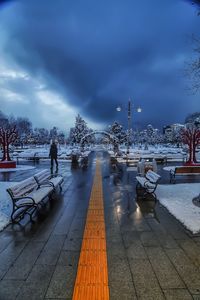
[53, 151]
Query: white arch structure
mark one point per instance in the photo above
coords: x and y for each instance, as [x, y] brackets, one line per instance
[111, 137]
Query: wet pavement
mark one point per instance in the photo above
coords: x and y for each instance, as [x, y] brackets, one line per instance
[150, 254]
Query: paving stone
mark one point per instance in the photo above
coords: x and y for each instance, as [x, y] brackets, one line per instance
[35, 287]
[157, 226]
[76, 230]
[72, 244]
[62, 283]
[197, 240]
[167, 241]
[134, 248]
[164, 270]
[123, 291]
[63, 225]
[130, 237]
[44, 233]
[119, 271]
[145, 281]
[9, 289]
[69, 258]
[113, 231]
[112, 240]
[9, 255]
[192, 250]
[24, 263]
[5, 241]
[149, 239]
[173, 226]
[45, 230]
[187, 270]
[177, 294]
[51, 251]
[134, 223]
[115, 249]
[128, 227]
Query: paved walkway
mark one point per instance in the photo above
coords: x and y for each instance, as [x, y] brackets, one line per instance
[149, 254]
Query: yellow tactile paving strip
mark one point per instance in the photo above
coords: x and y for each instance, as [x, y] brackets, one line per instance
[92, 275]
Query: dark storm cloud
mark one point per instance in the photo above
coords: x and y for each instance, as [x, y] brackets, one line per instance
[98, 53]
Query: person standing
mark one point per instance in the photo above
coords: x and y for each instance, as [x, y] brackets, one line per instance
[53, 154]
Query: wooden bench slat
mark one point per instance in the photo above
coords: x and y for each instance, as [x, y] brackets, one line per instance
[184, 170]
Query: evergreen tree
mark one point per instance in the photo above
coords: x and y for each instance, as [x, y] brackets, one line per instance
[79, 130]
[119, 135]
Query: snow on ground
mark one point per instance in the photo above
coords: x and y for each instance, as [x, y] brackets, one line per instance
[43, 152]
[5, 204]
[177, 198]
[18, 168]
[170, 153]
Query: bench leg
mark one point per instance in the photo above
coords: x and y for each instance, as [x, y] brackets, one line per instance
[31, 214]
[147, 193]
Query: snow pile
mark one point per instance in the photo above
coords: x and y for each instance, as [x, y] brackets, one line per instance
[177, 198]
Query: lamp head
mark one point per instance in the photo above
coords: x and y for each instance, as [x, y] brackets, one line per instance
[118, 108]
[139, 109]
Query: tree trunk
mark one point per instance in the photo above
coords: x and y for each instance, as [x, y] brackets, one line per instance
[6, 156]
[4, 150]
[194, 152]
[190, 153]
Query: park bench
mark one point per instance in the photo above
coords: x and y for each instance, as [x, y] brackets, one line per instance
[27, 197]
[44, 178]
[147, 184]
[183, 170]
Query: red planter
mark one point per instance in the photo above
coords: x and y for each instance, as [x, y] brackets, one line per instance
[7, 164]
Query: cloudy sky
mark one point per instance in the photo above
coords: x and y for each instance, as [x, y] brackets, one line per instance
[60, 58]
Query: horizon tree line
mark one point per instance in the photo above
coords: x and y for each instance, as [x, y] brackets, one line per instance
[26, 134]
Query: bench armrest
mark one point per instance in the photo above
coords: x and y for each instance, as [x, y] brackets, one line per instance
[45, 183]
[24, 198]
[56, 175]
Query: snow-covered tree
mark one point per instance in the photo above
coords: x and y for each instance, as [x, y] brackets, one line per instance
[78, 131]
[40, 136]
[191, 137]
[8, 136]
[192, 118]
[61, 137]
[120, 136]
[24, 129]
[53, 133]
[193, 67]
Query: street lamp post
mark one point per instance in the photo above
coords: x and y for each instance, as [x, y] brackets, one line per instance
[129, 122]
[129, 126]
